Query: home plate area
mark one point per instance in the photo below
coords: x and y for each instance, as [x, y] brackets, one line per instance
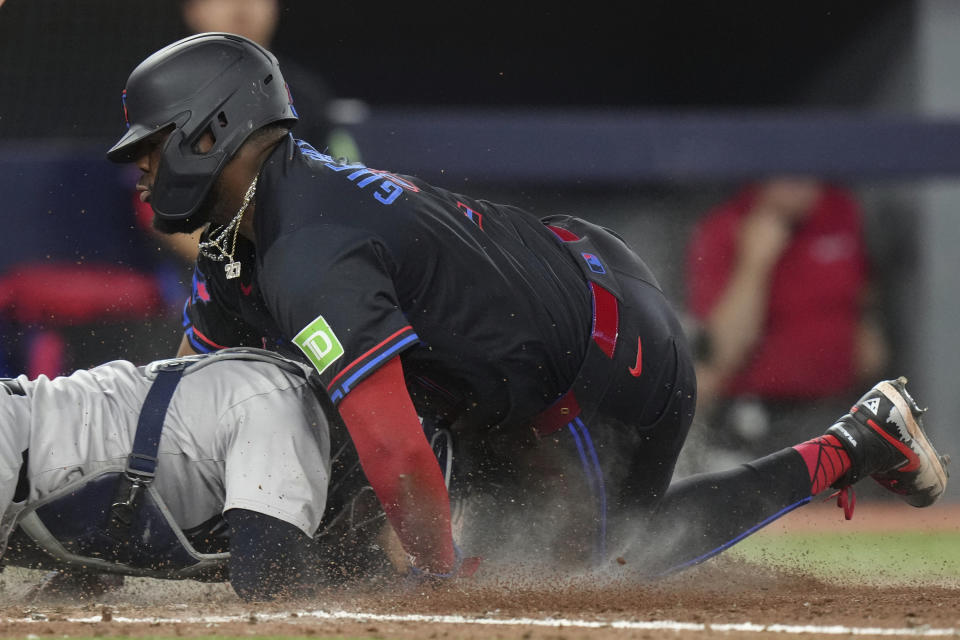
[724, 596]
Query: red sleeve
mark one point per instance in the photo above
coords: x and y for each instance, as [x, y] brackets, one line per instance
[401, 466]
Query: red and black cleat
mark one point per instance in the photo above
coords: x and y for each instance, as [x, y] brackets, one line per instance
[884, 436]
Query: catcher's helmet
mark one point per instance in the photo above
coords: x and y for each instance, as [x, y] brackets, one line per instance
[219, 82]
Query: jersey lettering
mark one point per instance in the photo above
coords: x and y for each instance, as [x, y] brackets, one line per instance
[319, 344]
[334, 166]
[386, 192]
[310, 152]
[391, 191]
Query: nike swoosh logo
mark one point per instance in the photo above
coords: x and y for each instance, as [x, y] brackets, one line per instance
[635, 369]
[913, 460]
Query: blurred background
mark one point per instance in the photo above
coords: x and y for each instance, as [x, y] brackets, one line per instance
[790, 170]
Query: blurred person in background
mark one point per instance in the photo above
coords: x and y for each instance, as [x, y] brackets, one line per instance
[258, 20]
[78, 282]
[780, 288]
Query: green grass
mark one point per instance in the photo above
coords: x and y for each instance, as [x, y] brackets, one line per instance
[871, 557]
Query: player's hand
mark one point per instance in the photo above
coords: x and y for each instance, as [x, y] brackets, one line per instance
[792, 198]
[764, 236]
[404, 565]
[463, 568]
[469, 566]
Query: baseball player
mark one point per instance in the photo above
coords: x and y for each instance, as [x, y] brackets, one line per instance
[202, 467]
[539, 340]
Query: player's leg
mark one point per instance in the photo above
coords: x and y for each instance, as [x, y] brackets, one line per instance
[580, 480]
[61, 581]
[616, 449]
[520, 499]
[703, 515]
[625, 456]
[15, 412]
[647, 417]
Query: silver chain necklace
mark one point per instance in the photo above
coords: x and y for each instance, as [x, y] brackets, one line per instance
[214, 247]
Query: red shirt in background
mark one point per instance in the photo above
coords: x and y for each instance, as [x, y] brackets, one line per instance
[807, 347]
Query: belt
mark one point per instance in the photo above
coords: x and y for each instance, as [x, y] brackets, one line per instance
[590, 384]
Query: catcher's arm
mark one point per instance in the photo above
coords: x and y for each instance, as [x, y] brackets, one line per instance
[269, 558]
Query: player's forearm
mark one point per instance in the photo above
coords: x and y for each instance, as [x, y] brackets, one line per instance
[410, 487]
[420, 514]
[401, 466]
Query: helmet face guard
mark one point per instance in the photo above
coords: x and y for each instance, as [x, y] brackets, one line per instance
[215, 83]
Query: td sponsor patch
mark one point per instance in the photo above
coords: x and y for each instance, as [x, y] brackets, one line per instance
[319, 344]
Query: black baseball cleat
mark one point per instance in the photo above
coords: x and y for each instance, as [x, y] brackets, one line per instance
[884, 436]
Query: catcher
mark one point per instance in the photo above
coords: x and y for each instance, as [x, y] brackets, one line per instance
[230, 466]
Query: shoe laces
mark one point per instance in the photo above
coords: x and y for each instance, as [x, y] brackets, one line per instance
[846, 500]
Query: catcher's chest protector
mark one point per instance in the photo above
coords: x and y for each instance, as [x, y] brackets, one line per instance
[116, 521]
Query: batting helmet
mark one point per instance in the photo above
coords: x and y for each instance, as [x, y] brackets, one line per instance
[216, 82]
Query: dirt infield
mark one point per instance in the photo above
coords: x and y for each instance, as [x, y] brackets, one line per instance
[724, 597]
[718, 594]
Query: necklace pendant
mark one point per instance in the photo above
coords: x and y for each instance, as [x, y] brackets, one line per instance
[232, 269]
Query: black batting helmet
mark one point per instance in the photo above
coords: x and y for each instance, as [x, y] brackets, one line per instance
[216, 82]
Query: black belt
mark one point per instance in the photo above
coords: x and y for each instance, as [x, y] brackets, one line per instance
[599, 253]
[590, 384]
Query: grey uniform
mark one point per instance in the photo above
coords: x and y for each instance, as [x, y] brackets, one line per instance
[237, 434]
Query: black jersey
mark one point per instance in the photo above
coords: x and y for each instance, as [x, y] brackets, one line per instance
[489, 313]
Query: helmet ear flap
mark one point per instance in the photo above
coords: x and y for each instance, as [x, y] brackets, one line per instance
[185, 176]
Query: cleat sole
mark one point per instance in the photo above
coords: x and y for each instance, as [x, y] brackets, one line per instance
[931, 481]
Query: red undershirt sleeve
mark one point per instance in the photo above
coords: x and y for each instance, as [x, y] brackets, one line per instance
[401, 466]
